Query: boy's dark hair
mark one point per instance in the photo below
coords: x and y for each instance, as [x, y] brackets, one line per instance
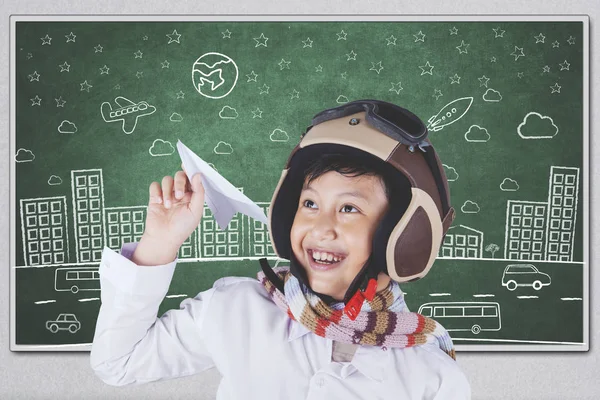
[349, 166]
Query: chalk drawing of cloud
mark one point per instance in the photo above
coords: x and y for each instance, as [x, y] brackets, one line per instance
[537, 126]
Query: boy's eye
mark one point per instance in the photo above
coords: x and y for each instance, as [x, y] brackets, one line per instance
[308, 201]
[345, 208]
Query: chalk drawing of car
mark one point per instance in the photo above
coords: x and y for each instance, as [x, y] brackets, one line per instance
[524, 275]
[64, 322]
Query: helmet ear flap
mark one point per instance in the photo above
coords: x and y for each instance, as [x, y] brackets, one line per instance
[415, 240]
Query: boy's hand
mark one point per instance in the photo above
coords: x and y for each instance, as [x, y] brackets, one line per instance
[174, 211]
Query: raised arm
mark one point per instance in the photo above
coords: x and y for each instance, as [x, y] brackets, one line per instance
[131, 345]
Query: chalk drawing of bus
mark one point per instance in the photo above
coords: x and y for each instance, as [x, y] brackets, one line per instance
[76, 279]
[464, 316]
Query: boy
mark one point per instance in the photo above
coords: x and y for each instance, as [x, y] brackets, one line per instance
[334, 324]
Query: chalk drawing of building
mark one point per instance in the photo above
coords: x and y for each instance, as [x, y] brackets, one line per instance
[217, 243]
[88, 209]
[259, 238]
[462, 241]
[124, 225]
[526, 230]
[544, 230]
[44, 230]
[562, 211]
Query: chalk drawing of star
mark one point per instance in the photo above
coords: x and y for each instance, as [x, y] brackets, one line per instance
[318, 68]
[519, 75]
[391, 40]
[455, 79]
[564, 65]
[252, 76]
[60, 102]
[351, 56]
[180, 94]
[98, 49]
[71, 37]
[261, 40]
[104, 70]
[344, 75]
[295, 94]
[36, 101]
[483, 81]
[376, 69]
[463, 47]
[257, 113]
[571, 40]
[546, 69]
[540, 38]
[226, 34]
[341, 35]
[173, 37]
[499, 32]
[46, 40]
[164, 64]
[264, 89]
[396, 87]
[85, 86]
[34, 77]
[419, 37]
[284, 64]
[555, 88]
[138, 54]
[437, 93]
[454, 31]
[517, 55]
[307, 43]
[139, 74]
[426, 66]
[64, 67]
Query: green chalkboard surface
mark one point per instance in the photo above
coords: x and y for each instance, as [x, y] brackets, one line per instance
[99, 105]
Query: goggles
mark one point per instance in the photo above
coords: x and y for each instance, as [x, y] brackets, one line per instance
[396, 122]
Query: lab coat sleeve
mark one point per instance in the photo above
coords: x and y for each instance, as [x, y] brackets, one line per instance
[446, 379]
[131, 345]
[454, 386]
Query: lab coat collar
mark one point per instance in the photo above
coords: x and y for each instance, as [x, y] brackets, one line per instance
[367, 359]
[296, 330]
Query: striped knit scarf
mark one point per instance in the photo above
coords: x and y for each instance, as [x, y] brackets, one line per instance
[384, 322]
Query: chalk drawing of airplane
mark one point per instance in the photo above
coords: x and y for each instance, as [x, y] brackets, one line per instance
[128, 112]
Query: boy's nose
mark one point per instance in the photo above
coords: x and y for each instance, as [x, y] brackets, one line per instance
[324, 227]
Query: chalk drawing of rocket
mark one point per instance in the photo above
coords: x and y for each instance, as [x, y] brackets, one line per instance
[449, 114]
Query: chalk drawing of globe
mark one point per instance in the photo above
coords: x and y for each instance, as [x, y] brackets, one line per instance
[214, 75]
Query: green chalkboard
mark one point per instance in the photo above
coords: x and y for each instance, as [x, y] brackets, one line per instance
[98, 107]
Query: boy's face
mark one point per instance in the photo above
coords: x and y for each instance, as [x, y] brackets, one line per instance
[338, 215]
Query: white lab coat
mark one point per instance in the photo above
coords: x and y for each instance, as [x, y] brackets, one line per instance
[260, 352]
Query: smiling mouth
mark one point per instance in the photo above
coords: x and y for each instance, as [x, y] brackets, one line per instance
[325, 259]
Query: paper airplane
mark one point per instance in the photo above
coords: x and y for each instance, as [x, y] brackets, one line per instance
[223, 199]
